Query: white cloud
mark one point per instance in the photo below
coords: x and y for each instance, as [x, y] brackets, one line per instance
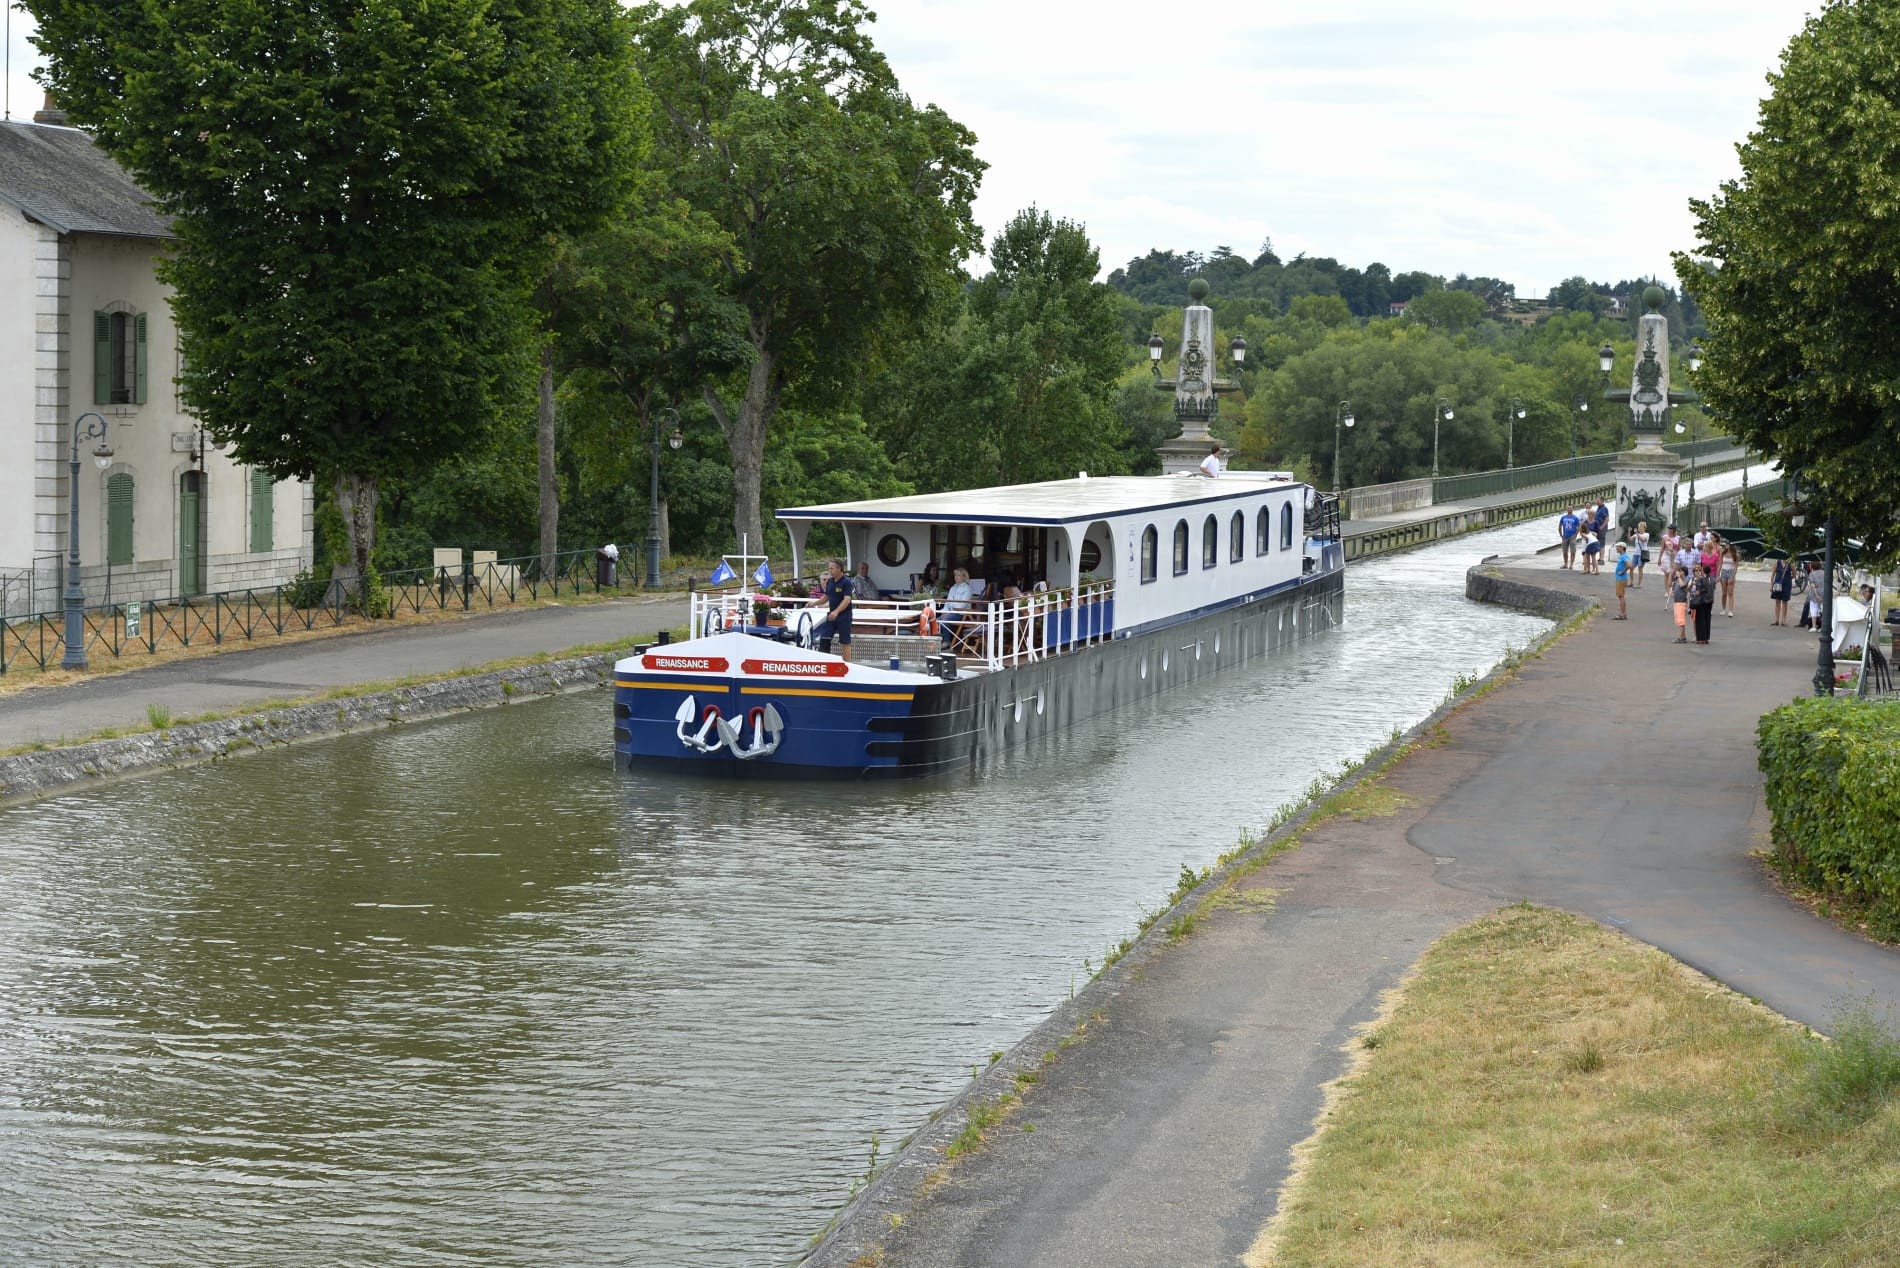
[1519, 139]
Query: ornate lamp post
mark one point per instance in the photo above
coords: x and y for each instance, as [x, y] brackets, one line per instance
[1195, 388]
[1441, 410]
[1342, 418]
[1581, 406]
[675, 440]
[1510, 432]
[1692, 465]
[83, 431]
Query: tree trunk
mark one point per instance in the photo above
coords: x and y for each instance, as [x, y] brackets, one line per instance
[356, 503]
[544, 444]
[745, 441]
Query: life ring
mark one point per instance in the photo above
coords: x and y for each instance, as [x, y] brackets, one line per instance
[927, 619]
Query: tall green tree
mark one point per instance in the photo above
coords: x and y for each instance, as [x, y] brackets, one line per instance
[364, 197]
[848, 207]
[1798, 266]
[1023, 387]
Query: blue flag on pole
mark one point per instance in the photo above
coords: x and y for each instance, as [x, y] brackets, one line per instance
[763, 576]
[722, 574]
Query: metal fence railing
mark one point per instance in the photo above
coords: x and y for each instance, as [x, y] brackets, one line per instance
[1484, 483]
[147, 627]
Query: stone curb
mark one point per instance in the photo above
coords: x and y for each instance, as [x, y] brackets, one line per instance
[856, 1233]
[25, 776]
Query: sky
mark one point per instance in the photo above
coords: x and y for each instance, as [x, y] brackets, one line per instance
[1527, 140]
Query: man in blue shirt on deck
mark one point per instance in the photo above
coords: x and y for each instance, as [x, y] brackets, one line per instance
[1567, 527]
[836, 597]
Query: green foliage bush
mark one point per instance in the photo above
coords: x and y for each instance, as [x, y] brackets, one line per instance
[1832, 768]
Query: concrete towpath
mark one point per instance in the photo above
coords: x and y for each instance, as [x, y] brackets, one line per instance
[242, 676]
[1614, 775]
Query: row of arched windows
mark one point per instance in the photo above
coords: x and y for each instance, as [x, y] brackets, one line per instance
[1210, 540]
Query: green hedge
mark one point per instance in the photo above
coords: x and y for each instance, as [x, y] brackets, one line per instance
[1832, 767]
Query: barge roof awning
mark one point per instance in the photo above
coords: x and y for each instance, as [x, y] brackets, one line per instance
[1052, 502]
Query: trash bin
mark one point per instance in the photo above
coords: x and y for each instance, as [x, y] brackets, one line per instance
[604, 561]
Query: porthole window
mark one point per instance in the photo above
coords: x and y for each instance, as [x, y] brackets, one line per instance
[1091, 555]
[1262, 531]
[1180, 547]
[1150, 550]
[893, 550]
[1210, 542]
[1237, 539]
[1286, 526]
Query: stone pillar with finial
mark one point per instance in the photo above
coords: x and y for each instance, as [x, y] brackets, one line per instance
[1646, 476]
[1196, 390]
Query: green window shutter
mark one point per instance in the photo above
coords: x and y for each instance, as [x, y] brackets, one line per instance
[102, 358]
[263, 492]
[139, 374]
[119, 519]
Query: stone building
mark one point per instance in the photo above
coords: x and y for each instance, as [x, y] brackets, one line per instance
[85, 327]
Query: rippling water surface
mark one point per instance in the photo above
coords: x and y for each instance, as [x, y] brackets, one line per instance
[461, 992]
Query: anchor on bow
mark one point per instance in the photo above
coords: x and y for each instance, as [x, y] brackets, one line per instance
[710, 737]
[768, 728]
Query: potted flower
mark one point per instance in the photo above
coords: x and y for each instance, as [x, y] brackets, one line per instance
[763, 611]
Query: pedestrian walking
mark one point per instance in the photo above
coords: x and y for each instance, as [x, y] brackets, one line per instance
[1780, 587]
[1679, 599]
[1568, 526]
[1730, 563]
[1639, 546]
[1623, 570]
[1811, 614]
[1701, 601]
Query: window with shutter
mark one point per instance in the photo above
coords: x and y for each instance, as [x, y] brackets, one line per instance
[262, 502]
[119, 519]
[102, 358]
[140, 372]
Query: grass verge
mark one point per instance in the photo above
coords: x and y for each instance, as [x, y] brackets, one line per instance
[1544, 1090]
[159, 718]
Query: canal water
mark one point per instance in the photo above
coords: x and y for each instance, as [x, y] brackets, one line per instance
[461, 992]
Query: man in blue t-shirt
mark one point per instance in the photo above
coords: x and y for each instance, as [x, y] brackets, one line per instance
[837, 601]
[1567, 527]
[1600, 518]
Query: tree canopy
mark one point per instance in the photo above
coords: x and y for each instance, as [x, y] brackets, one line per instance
[1798, 265]
[846, 206]
[363, 196]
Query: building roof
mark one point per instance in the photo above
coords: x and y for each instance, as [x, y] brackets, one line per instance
[1053, 502]
[58, 177]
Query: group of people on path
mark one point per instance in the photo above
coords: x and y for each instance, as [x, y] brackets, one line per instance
[1698, 573]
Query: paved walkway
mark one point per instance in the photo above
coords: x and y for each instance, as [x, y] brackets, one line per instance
[1614, 776]
[252, 673]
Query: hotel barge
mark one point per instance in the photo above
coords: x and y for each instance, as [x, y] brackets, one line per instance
[1131, 586]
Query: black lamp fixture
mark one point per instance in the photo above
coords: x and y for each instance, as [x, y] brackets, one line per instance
[1343, 418]
[1155, 346]
[1606, 358]
[1237, 349]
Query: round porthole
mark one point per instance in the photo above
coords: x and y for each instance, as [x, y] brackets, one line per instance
[893, 550]
[1164, 662]
[1144, 668]
[1217, 645]
[1091, 557]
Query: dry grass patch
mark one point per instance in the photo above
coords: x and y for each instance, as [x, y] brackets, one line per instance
[1548, 1091]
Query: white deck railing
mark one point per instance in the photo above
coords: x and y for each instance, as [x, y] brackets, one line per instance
[995, 633]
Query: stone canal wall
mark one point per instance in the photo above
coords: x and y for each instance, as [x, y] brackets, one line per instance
[44, 771]
[1486, 585]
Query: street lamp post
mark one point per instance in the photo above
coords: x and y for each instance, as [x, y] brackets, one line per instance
[1581, 406]
[1341, 418]
[1441, 410]
[653, 492]
[1510, 433]
[83, 431]
[1692, 465]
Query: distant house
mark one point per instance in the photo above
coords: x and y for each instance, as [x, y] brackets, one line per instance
[85, 327]
[1396, 308]
[1616, 305]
